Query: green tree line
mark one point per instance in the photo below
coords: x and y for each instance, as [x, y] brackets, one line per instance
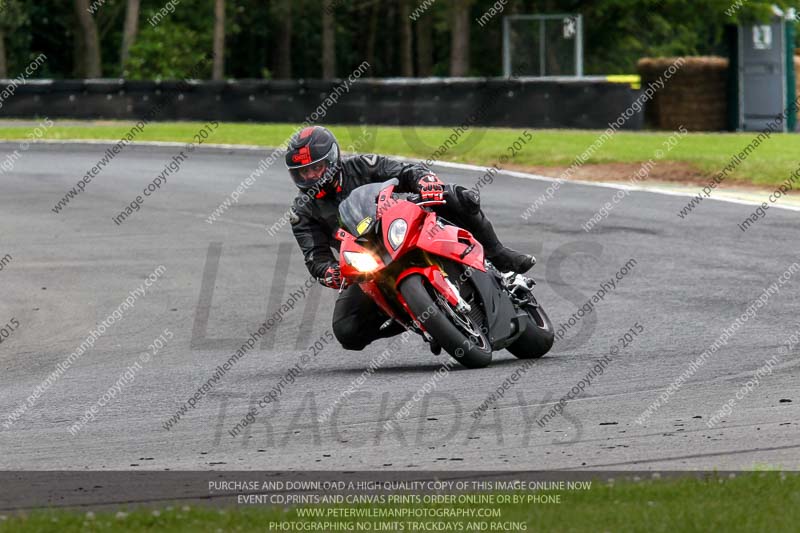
[282, 39]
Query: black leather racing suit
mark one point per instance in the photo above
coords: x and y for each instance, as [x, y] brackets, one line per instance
[356, 318]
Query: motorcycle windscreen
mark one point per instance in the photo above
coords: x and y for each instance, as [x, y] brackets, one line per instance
[357, 213]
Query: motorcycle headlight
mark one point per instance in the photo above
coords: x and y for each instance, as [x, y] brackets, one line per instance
[397, 233]
[360, 261]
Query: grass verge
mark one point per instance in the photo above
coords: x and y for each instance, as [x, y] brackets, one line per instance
[707, 153]
[761, 501]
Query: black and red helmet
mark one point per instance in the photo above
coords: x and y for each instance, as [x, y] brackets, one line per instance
[313, 158]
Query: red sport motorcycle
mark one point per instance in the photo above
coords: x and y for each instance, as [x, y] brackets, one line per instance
[431, 276]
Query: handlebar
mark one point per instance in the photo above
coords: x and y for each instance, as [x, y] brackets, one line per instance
[417, 199]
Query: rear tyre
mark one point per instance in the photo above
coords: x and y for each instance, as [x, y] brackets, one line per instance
[457, 333]
[537, 339]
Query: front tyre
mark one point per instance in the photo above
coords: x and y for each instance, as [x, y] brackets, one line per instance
[456, 332]
[538, 337]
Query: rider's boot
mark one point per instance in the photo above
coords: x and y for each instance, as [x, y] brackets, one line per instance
[508, 260]
[435, 347]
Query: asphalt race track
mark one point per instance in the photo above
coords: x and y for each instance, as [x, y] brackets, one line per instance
[691, 279]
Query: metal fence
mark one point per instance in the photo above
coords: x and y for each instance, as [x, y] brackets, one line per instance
[543, 45]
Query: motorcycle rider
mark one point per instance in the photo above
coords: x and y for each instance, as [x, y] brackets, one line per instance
[325, 179]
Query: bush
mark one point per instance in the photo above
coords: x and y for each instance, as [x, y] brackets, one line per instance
[168, 51]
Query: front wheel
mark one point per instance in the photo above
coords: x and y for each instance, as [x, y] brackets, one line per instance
[538, 337]
[457, 333]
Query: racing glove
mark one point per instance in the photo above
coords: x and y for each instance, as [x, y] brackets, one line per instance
[332, 277]
[430, 187]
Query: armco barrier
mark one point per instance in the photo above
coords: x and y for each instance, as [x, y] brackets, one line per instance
[589, 103]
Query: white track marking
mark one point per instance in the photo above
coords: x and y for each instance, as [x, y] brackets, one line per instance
[720, 196]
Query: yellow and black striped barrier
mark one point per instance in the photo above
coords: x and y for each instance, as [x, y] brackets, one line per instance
[634, 80]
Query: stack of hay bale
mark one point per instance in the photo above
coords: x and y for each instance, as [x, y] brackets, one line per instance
[695, 96]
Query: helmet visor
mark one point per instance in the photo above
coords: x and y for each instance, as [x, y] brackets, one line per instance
[317, 173]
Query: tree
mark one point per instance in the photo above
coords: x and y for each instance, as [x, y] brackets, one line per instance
[406, 45]
[282, 62]
[619, 32]
[130, 30]
[12, 16]
[424, 27]
[218, 70]
[389, 50]
[459, 42]
[3, 58]
[188, 55]
[89, 65]
[328, 41]
[283, 38]
[372, 32]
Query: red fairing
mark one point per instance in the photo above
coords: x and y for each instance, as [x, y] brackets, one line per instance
[423, 232]
[372, 290]
[451, 242]
[342, 235]
[349, 244]
[412, 214]
[370, 287]
[431, 237]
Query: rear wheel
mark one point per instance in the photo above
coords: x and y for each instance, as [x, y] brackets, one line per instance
[459, 334]
[538, 337]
